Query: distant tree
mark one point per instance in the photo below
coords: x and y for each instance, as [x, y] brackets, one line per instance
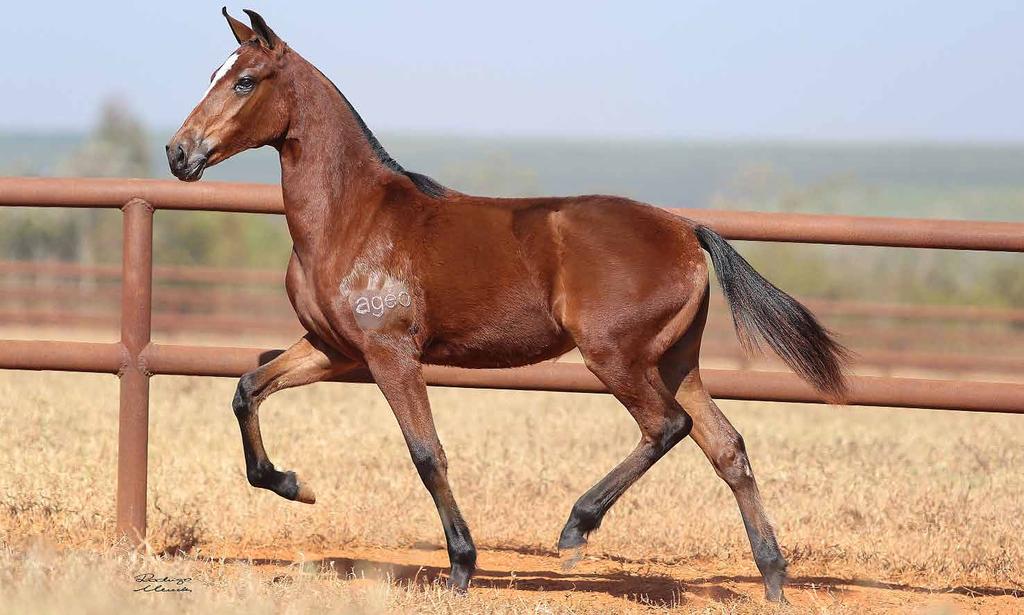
[116, 148]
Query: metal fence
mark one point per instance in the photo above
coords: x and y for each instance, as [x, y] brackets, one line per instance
[949, 340]
[135, 358]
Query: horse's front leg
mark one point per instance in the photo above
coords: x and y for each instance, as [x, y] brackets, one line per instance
[400, 378]
[307, 361]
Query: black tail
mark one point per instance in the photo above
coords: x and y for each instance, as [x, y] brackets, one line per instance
[762, 312]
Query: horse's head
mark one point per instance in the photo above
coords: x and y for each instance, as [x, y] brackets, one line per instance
[246, 105]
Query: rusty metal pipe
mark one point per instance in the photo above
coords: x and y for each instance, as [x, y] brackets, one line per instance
[133, 421]
[862, 230]
[164, 273]
[574, 377]
[181, 360]
[61, 356]
[826, 307]
[758, 226]
[272, 279]
[161, 194]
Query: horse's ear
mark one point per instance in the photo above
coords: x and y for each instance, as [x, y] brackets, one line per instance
[263, 31]
[241, 31]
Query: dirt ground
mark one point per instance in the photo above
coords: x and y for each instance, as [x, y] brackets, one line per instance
[360, 579]
[610, 584]
[878, 510]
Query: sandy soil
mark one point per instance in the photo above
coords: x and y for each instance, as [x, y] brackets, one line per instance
[602, 584]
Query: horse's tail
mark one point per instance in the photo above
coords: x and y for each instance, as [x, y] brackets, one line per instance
[762, 312]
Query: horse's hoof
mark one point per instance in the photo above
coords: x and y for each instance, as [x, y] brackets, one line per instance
[305, 494]
[773, 590]
[293, 489]
[572, 556]
[458, 581]
[774, 582]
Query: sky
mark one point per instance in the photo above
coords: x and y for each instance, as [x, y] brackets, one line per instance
[869, 70]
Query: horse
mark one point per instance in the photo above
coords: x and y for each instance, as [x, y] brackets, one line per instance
[391, 270]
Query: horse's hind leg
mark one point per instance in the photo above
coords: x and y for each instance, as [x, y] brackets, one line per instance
[662, 425]
[624, 354]
[307, 361]
[724, 447]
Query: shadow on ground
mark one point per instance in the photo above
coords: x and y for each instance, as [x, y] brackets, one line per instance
[642, 585]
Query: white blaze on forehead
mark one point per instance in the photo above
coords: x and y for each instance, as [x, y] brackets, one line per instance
[223, 70]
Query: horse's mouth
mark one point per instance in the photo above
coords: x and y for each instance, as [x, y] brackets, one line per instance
[195, 171]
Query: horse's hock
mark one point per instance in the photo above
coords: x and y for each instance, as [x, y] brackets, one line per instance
[134, 359]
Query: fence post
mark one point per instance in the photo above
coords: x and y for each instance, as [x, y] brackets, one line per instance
[136, 317]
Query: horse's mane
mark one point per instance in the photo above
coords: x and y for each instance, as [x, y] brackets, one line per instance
[425, 184]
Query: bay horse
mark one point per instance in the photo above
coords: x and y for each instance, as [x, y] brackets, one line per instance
[391, 270]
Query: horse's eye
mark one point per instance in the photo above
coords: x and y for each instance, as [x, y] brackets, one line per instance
[244, 85]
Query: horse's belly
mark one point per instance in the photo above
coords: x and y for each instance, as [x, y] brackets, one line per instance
[499, 343]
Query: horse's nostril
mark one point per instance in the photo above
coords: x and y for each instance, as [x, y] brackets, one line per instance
[180, 155]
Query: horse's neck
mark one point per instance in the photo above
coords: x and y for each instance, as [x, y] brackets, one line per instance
[329, 173]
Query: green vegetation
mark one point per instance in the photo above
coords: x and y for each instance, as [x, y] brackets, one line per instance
[939, 181]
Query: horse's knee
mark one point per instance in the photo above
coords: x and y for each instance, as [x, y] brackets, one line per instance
[732, 464]
[242, 403]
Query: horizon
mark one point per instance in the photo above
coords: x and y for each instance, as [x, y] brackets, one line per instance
[775, 141]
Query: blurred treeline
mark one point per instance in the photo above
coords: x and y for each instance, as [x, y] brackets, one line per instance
[972, 182]
[120, 147]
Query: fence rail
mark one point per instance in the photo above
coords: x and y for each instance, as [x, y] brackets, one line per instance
[271, 279]
[135, 358]
[752, 225]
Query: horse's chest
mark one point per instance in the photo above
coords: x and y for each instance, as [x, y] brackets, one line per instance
[303, 296]
[364, 300]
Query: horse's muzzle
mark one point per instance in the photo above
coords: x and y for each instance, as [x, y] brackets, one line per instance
[187, 161]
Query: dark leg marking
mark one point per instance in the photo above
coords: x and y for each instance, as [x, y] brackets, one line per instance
[662, 424]
[305, 362]
[401, 381]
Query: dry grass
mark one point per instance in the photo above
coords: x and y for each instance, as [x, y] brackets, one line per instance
[926, 499]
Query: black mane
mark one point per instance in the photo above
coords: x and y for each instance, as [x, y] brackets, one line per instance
[425, 184]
